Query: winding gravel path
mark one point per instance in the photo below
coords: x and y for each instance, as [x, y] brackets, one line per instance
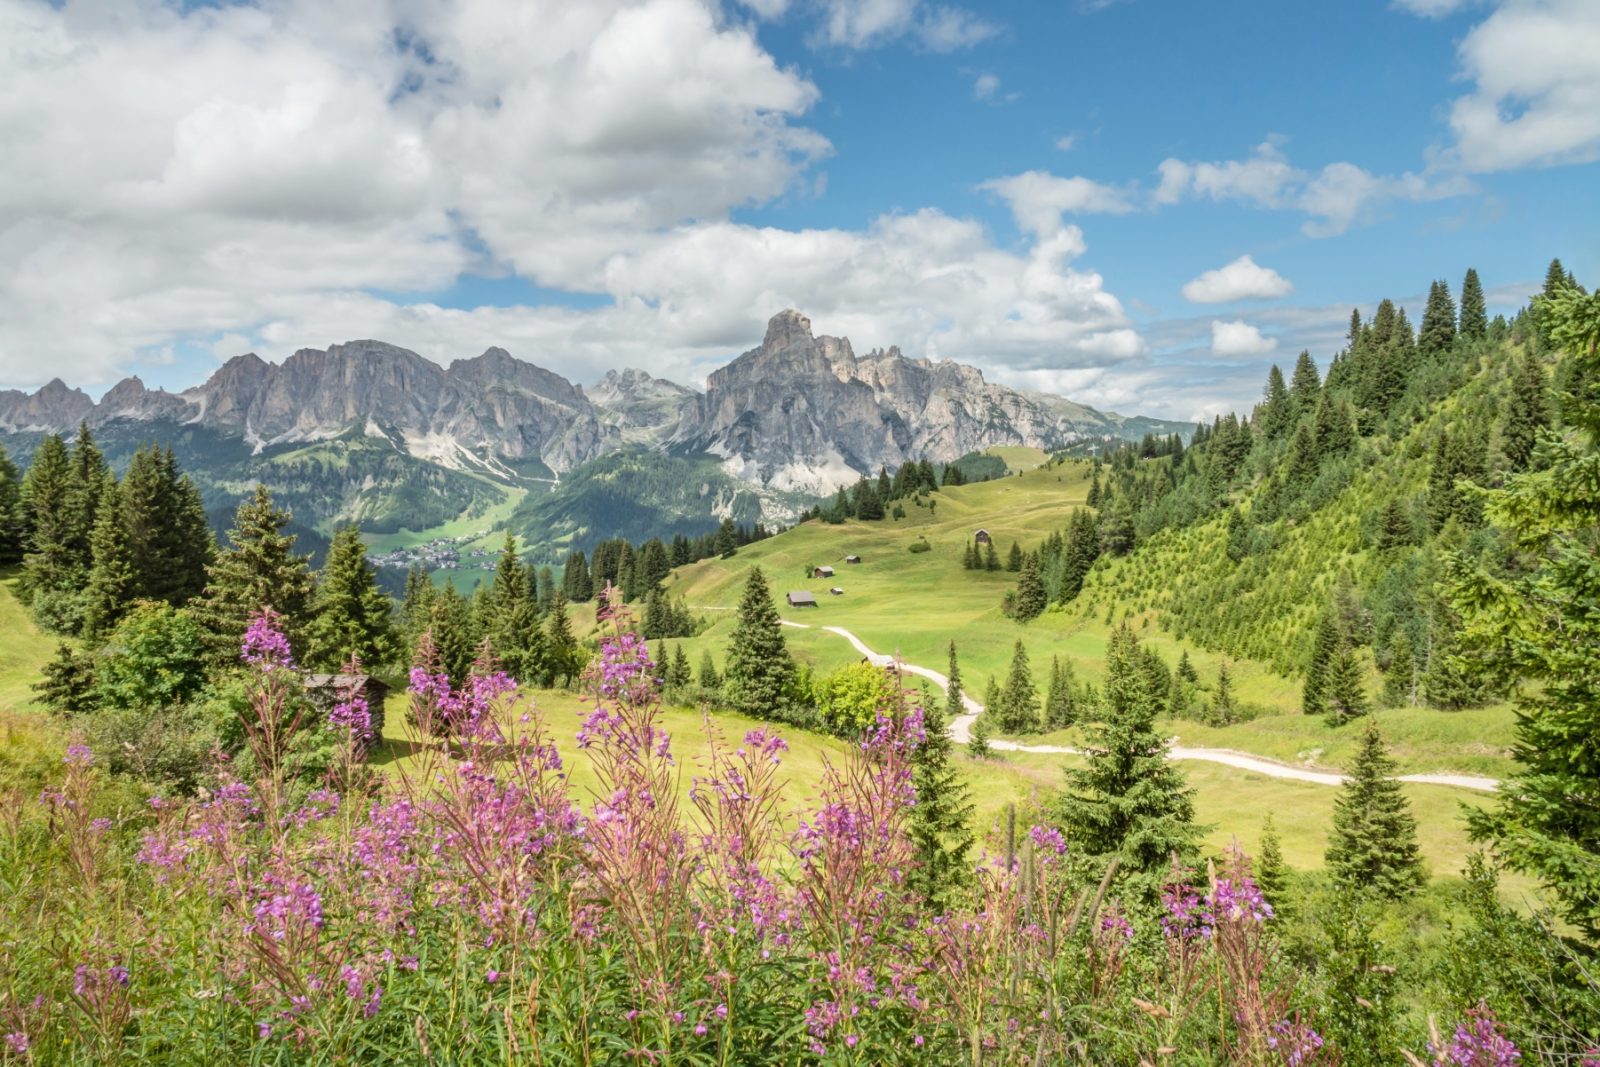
[961, 732]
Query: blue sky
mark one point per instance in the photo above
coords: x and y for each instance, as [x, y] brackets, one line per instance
[1029, 187]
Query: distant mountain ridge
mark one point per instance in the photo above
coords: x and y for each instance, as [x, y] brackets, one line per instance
[797, 416]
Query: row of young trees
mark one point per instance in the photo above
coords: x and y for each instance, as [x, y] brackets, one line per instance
[639, 570]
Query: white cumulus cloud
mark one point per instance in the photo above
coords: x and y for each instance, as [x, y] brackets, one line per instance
[1038, 199]
[1243, 279]
[1238, 338]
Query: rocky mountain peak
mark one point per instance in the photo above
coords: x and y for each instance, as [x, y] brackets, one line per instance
[787, 327]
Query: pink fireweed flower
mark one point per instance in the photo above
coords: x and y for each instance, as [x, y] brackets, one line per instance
[353, 717]
[17, 1042]
[1479, 1041]
[1185, 916]
[78, 756]
[1295, 1041]
[264, 646]
[1048, 840]
[1238, 899]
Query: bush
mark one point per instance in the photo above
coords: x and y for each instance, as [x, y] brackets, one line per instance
[919, 545]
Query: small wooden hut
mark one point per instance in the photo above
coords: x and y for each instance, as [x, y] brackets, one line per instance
[800, 598]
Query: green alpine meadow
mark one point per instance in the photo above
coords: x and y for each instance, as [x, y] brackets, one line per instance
[822, 533]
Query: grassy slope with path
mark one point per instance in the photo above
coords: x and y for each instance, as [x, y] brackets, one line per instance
[917, 603]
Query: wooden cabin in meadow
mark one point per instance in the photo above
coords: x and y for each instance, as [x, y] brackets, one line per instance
[326, 690]
[836, 591]
[982, 537]
[852, 559]
[822, 572]
[800, 598]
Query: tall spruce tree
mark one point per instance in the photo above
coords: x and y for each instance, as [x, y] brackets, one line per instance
[1014, 558]
[954, 705]
[89, 472]
[1527, 413]
[1324, 649]
[110, 588]
[1541, 626]
[1394, 526]
[1061, 701]
[454, 637]
[991, 558]
[564, 658]
[1276, 413]
[1305, 387]
[1374, 839]
[1474, 313]
[1400, 680]
[1032, 598]
[1271, 872]
[1128, 799]
[759, 675]
[259, 569]
[1438, 320]
[49, 567]
[941, 815]
[13, 520]
[351, 616]
[168, 537]
[575, 579]
[511, 619]
[1223, 710]
[1018, 711]
[1346, 696]
[416, 607]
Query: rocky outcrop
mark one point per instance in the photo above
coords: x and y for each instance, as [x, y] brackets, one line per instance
[642, 408]
[53, 407]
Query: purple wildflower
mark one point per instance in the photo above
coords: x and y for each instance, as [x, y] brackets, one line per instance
[1479, 1042]
[1295, 1041]
[265, 647]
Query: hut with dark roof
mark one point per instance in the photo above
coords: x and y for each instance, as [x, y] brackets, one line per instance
[800, 598]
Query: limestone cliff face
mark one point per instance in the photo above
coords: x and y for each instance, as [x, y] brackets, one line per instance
[802, 412]
[796, 414]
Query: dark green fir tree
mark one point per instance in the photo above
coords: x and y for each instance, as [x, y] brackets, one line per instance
[1374, 839]
[351, 616]
[259, 569]
[1474, 313]
[759, 677]
[941, 816]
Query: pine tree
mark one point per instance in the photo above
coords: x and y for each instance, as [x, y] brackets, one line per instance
[89, 472]
[169, 538]
[1374, 840]
[350, 614]
[1060, 702]
[110, 587]
[954, 705]
[49, 566]
[417, 605]
[1092, 499]
[1394, 526]
[511, 623]
[1018, 710]
[454, 638]
[1324, 649]
[1305, 387]
[1400, 680]
[575, 579]
[1128, 799]
[1032, 598]
[13, 519]
[564, 660]
[885, 485]
[940, 818]
[1014, 558]
[258, 569]
[1222, 707]
[1447, 681]
[1332, 428]
[1527, 413]
[978, 739]
[67, 685]
[1277, 408]
[727, 542]
[1272, 873]
[1346, 697]
[1438, 320]
[1186, 671]
[759, 676]
[710, 680]
[1083, 548]
[1474, 313]
[991, 559]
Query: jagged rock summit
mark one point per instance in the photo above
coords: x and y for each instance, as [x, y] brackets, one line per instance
[798, 414]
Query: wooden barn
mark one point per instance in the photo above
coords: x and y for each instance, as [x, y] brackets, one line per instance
[852, 559]
[326, 690]
[822, 572]
[982, 537]
[836, 591]
[800, 598]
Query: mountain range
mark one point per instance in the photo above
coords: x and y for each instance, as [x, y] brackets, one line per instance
[367, 431]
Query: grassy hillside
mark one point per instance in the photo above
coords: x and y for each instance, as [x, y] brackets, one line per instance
[917, 603]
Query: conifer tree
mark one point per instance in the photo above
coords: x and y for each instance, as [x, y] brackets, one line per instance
[978, 739]
[1032, 598]
[1128, 799]
[350, 614]
[727, 542]
[885, 484]
[710, 680]
[1394, 526]
[546, 586]
[454, 638]
[169, 538]
[564, 659]
[1474, 313]
[575, 579]
[1277, 408]
[417, 605]
[1438, 320]
[1400, 680]
[110, 587]
[941, 815]
[1018, 711]
[991, 558]
[89, 472]
[1447, 681]
[1092, 499]
[1346, 697]
[1083, 548]
[258, 569]
[67, 685]
[1374, 839]
[1060, 702]
[511, 619]
[1324, 649]
[1222, 706]
[991, 697]
[1527, 413]
[1186, 671]
[954, 705]
[49, 566]
[1271, 872]
[13, 521]
[1332, 428]
[1305, 387]
[1014, 558]
[759, 675]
